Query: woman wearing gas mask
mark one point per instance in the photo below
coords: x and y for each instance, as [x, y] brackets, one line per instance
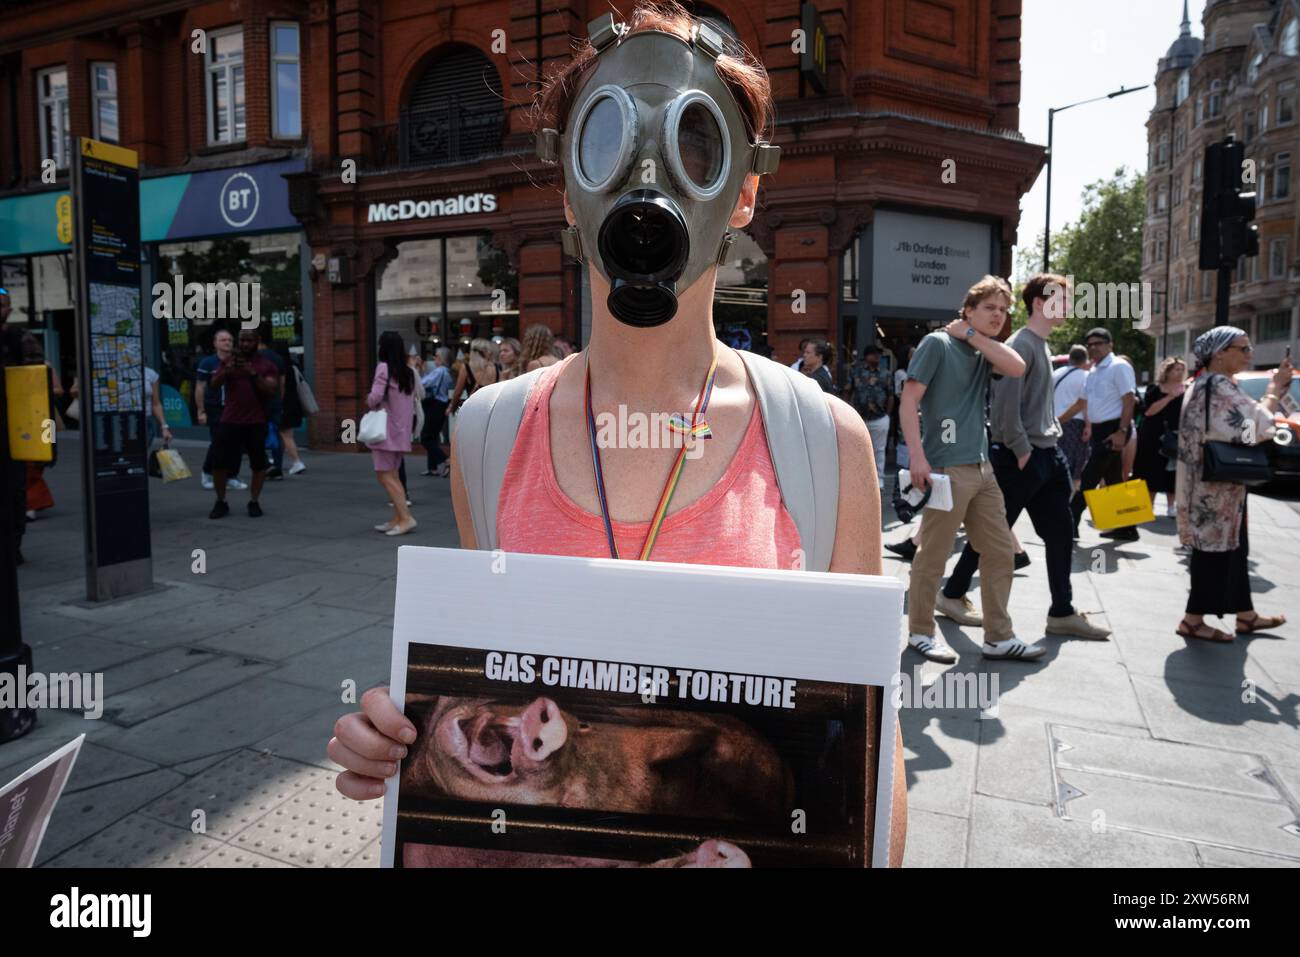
[660, 133]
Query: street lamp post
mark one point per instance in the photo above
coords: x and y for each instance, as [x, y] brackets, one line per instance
[1051, 120]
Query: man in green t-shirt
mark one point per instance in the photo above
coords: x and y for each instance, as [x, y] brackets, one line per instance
[947, 382]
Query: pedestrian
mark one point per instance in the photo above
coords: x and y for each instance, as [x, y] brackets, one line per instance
[797, 365]
[157, 420]
[873, 396]
[478, 370]
[291, 414]
[393, 390]
[209, 403]
[947, 380]
[818, 355]
[275, 409]
[904, 355]
[1131, 443]
[248, 381]
[1110, 394]
[11, 354]
[1069, 405]
[550, 490]
[508, 355]
[437, 395]
[1031, 471]
[1163, 406]
[536, 350]
[1212, 514]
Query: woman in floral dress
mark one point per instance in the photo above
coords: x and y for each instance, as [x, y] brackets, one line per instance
[1212, 515]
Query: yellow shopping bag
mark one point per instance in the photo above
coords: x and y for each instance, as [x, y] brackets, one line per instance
[1119, 506]
[172, 466]
[31, 425]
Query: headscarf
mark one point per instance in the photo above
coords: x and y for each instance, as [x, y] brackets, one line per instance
[1211, 343]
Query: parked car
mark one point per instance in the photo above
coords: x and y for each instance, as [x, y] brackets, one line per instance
[1286, 447]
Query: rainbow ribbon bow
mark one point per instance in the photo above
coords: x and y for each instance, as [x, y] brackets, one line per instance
[678, 423]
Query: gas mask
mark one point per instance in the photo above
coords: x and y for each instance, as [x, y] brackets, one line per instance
[655, 155]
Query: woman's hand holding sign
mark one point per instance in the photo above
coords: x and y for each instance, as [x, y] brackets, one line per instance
[368, 744]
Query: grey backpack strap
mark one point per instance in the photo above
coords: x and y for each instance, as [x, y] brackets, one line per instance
[805, 454]
[485, 436]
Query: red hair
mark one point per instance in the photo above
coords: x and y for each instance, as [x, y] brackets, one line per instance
[739, 69]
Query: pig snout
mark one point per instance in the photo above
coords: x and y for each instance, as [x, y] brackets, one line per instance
[709, 854]
[542, 731]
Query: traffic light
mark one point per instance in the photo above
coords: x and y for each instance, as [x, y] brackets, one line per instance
[1228, 231]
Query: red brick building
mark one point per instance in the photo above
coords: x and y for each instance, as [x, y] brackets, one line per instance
[423, 208]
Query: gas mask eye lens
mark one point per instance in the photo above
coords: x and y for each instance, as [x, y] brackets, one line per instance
[700, 143]
[605, 140]
[601, 140]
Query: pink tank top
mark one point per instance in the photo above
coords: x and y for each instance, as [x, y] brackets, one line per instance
[740, 521]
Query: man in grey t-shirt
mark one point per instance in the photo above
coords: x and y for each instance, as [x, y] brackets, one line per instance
[946, 383]
[1030, 469]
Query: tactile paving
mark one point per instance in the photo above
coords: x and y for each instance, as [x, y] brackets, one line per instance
[317, 827]
[227, 855]
[369, 857]
[233, 794]
[138, 841]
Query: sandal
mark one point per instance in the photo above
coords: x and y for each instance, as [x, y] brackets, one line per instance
[1202, 631]
[1259, 623]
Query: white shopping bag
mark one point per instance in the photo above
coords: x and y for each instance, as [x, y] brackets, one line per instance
[940, 491]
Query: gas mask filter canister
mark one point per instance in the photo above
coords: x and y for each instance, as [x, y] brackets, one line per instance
[655, 155]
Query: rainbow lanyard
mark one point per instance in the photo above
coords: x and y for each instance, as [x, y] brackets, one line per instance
[696, 428]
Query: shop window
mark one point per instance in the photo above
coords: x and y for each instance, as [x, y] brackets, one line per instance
[740, 296]
[447, 291]
[272, 260]
[1275, 326]
[286, 97]
[52, 93]
[1277, 255]
[1282, 176]
[103, 93]
[454, 113]
[13, 279]
[225, 86]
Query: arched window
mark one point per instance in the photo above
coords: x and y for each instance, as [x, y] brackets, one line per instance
[454, 113]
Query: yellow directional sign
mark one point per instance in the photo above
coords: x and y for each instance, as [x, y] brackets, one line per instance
[110, 153]
[63, 214]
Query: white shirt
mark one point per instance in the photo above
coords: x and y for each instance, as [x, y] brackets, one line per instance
[900, 380]
[1107, 384]
[1067, 383]
[150, 377]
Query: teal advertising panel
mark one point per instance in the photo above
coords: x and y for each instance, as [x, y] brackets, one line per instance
[245, 199]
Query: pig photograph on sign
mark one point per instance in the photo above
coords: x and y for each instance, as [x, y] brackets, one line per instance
[606, 713]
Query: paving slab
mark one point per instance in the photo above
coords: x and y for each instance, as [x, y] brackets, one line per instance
[82, 815]
[275, 637]
[362, 656]
[244, 714]
[138, 841]
[210, 678]
[1010, 834]
[935, 840]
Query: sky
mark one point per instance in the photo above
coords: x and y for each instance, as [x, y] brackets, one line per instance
[1073, 50]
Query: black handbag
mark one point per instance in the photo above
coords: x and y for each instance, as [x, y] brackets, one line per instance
[1231, 461]
[1169, 444]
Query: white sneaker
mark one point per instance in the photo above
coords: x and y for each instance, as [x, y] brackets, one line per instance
[236, 484]
[207, 482]
[959, 610]
[296, 468]
[1013, 648]
[933, 647]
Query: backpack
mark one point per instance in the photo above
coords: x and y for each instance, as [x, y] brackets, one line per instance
[796, 419]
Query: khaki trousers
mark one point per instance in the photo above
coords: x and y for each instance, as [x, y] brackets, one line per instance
[977, 502]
